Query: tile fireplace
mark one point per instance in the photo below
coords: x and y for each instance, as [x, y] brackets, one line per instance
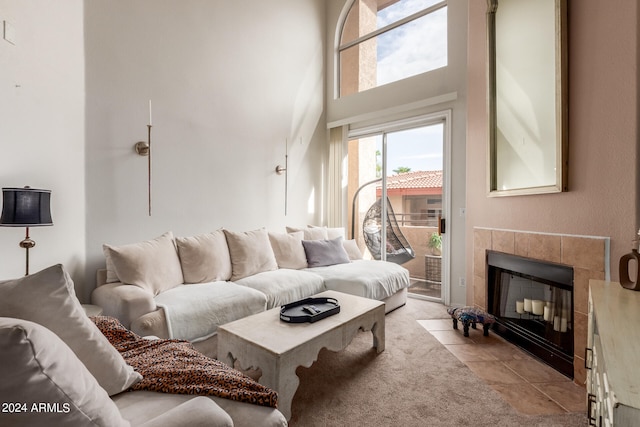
[587, 255]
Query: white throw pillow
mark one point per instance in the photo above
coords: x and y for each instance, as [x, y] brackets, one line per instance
[250, 253]
[48, 298]
[321, 253]
[37, 368]
[288, 249]
[152, 265]
[332, 232]
[204, 258]
[352, 249]
[310, 233]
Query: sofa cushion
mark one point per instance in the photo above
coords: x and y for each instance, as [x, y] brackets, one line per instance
[171, 410]
[153, 264]
[195, 412]
[284, 285]
[288, 249]
[321, 253]
[136, 407]
[365, 278]
[48, 298]
[248, 415]
[250, 252]
[38, 368]
[194, 312]
[204, 258]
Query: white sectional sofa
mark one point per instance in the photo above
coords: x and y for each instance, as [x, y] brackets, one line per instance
[185, 287]
[58, 369]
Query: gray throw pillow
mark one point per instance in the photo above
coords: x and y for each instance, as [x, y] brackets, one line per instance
[321, 253]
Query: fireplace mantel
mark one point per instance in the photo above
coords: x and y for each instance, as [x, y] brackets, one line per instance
[588, 255]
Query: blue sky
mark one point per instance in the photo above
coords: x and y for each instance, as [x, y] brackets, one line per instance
[418, 149]
[415, 47]
[412, 49]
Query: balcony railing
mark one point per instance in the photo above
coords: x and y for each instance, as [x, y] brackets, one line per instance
[416, 220]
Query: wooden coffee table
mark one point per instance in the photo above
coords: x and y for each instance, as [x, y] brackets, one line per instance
[277, 348]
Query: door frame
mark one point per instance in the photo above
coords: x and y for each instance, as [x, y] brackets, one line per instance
[382, 127]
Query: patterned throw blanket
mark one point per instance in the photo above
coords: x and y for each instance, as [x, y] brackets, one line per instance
[175, 366]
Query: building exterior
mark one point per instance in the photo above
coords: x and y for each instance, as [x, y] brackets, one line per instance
[416, 197]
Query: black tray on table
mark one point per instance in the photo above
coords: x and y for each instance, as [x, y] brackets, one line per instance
[309, 310]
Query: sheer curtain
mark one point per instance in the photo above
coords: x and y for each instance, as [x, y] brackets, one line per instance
[335, 196]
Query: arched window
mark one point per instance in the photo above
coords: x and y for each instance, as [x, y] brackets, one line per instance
[383, 41]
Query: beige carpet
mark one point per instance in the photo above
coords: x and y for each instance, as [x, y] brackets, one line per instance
[416, 381]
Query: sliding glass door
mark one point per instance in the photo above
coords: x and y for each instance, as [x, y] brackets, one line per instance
[396, 176]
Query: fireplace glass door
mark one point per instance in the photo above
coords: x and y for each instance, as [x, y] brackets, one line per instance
[543, 310]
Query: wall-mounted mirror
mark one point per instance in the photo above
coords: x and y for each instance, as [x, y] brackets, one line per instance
[528, 139]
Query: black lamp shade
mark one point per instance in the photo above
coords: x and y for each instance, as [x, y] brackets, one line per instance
[25, 207]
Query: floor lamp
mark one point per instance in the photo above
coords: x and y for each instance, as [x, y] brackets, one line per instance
[26, 207]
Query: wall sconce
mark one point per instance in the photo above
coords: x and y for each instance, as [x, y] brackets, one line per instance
[143, 148]
[26, 207]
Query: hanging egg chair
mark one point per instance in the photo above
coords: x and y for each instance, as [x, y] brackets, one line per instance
[398, 249]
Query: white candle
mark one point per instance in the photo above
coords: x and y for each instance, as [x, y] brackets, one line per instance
[520, 307]
[548, 313]
[527, 305]
[149, 112]
[563, 324]
[556, 323]
[537, 306]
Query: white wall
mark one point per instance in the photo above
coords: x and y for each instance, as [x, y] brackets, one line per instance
[229, 83]
[42, 130]
[414, 91]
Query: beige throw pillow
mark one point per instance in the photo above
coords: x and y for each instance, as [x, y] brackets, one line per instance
[250, 253]
[111, 276]
[288, 249]
[152, 265]
[37, 368]
[48, 298]
[352, 249]
[310, 233]
[204, 258]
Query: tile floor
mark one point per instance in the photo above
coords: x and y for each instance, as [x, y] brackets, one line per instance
[528, 385]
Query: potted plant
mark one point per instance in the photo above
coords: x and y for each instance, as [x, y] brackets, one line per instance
[433, 262]
[435, 244]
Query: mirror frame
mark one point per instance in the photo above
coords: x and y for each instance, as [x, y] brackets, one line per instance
[560, 104]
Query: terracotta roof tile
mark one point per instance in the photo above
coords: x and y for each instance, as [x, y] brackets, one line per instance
[417, 179]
